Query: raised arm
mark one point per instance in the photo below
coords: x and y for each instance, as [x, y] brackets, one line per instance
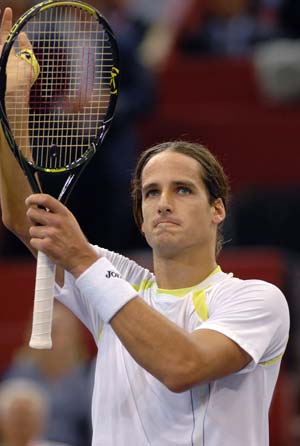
[14, 187]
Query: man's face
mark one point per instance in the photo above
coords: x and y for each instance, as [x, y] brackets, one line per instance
[177, 215]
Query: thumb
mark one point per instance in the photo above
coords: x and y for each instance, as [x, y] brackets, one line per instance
[24, 42]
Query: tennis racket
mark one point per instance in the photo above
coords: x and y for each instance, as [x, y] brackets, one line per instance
[58, 115]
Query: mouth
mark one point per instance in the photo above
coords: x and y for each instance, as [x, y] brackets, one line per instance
[165, 222]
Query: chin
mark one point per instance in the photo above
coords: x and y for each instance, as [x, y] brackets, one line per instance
[167, 249]
[165, 244]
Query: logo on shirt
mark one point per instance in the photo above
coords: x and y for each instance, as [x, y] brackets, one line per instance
[110, 274]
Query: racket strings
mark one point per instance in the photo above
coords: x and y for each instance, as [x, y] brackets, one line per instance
[71, 96]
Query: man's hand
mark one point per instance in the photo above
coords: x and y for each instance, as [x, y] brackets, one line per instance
[16, 84]
[56, 232]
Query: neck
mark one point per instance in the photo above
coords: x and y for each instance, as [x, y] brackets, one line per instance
[184, 270]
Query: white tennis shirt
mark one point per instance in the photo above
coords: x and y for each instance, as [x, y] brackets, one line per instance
[131, 407]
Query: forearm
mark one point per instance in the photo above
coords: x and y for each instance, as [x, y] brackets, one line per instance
[157, 344]
[14, 188]
[179, 359]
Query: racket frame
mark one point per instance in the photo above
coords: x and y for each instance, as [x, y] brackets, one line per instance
[75, 168]
[44, 286]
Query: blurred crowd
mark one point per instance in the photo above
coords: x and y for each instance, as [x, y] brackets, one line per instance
[45, 395]
[235, 27]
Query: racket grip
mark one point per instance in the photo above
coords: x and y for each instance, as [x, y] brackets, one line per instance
[43, 303]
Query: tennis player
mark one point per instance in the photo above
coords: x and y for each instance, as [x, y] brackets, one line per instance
[188, 355]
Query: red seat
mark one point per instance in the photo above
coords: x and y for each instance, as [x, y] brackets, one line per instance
[16, 292]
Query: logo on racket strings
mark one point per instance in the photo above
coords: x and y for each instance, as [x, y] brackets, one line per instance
[113, 80]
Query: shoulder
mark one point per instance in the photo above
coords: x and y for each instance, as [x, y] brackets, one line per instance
[262, 291]
[253, 313]
[233, 286]
[249, 294]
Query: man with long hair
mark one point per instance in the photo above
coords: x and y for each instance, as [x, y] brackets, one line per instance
[187, 355]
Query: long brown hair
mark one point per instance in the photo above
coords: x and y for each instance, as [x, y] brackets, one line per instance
[211, 173]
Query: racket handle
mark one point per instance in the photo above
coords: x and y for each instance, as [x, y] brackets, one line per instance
[43, 303]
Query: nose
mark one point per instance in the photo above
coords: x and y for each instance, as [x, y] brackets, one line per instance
[164, 204]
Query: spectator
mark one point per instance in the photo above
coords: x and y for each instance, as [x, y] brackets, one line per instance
[63, 374]
[23, 413]
[276, 62]
[230, 28]
[158, 24]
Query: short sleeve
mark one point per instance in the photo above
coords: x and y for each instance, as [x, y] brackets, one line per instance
[252, 313]
[136, 275]
[71, 297]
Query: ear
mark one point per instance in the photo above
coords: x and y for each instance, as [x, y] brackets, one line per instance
[142, 228]
[218, 211]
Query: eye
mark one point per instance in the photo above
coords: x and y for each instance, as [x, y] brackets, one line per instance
[151, 193]
[184, 190]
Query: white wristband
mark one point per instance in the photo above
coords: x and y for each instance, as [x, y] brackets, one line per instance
[103, 286]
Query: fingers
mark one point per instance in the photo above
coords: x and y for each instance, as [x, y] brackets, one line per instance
[38, 232]
[24, 42]
[6, 25]
[55, 231]
[38, 216]
[45, 201]
[44, 210]
[44, 220]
